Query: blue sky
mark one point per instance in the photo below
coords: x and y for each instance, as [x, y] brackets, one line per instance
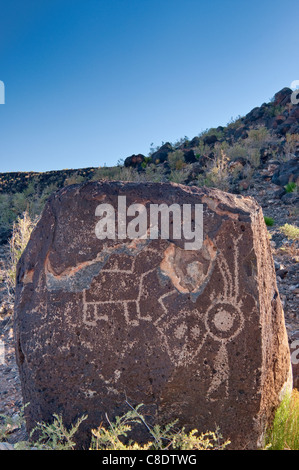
[90, 82]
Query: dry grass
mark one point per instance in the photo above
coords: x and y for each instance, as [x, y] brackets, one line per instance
[284, 433]
[21, 233]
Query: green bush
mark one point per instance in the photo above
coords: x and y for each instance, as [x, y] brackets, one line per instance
[291, 187]
[284, 432]
[260, 135]
[269, 221]
[176, 160]
[290, 231]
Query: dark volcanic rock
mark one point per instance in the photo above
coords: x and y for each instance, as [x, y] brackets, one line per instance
[195, 335]
[288, 171]
[189, 156]
[282, 97]
[210, 139]
[134, 160]
[160, 156]
[5, 234]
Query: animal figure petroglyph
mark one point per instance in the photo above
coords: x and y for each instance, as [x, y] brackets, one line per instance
[222, 321]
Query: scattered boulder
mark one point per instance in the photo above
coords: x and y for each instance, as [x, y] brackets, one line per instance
[282, 97]
[134, 160]
[5, 234]
[210, 139]
[196, 335]
[160, 156]
[194, 142]
[189, 156]
[291, 198]
[286, 172]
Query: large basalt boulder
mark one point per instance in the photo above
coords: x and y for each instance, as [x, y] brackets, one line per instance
[282, 97]
[134, 160]
[160, 156]
[196, 335]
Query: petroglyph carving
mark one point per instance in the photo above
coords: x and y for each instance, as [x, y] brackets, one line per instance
[196, 337]
[222, 321]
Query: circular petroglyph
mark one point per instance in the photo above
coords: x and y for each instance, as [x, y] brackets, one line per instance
[224, 321]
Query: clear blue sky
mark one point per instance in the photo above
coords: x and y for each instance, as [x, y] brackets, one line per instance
[93, 81]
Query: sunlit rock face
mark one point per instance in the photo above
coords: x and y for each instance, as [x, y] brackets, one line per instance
[104, 319]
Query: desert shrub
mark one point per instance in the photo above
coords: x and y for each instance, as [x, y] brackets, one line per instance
[219, 133]
[176, 160]
[273, 110]
[182, 141]
[21, 232]
[11, 206]
[234, 123]
[74, 179]
[290, 231]
[6, 215]
[107, 173]
[292, 234]
[236, 151]
[284, 432]
[259, 136]
[9, 424]
[160, 438]
[291, 144]
[217, 173]
[201, 150]
[153, 174]
[269, 221]
[179, 176]
[114, 436]
[32, 201]
[291, 187]
[52, 436]
[130, 174]
[253, 156]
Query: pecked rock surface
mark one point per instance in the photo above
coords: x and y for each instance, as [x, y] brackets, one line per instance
[195, 335]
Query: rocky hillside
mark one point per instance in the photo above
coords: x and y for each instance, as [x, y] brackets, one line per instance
[229, 157]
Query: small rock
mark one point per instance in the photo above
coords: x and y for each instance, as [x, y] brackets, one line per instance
[282, 273]
[277, 265]
[6, 446]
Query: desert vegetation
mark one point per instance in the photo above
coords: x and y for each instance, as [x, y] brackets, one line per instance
[283, 434]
